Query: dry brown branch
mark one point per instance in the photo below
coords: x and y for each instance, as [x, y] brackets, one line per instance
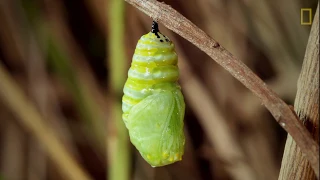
[257, 142]
[214, 123]
[294, 165]
[279, 109]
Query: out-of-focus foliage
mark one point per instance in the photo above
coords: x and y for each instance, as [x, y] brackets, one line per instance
[59, 53]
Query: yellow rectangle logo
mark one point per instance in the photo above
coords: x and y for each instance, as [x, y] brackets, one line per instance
[302, 12]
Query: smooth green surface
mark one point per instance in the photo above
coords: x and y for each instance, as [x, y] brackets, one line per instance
[153, 105]
[156, 127]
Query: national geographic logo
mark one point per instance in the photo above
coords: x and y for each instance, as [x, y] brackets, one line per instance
[306, 16]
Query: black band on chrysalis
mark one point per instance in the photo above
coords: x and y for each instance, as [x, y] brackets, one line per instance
[155, 28]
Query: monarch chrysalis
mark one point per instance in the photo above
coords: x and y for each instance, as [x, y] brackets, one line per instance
[153, 105]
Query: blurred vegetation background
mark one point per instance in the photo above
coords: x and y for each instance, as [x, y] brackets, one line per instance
[62, 69]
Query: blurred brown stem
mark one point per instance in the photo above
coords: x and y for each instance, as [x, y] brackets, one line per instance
[279, 109]
[294, 165]
[30, 117]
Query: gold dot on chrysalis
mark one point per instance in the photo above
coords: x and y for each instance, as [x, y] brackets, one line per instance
[165, 155]
[176, 157]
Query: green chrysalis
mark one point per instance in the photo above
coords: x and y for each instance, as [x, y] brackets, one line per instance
[153, 105]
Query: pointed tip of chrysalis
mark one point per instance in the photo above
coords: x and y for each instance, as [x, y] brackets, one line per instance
[155, 27]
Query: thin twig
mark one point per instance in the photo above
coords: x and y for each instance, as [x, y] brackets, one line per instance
[227, 148]
[278, 108]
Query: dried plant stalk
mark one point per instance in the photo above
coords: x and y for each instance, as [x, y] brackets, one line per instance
[29, 117]
[294, 165]
[277, 107]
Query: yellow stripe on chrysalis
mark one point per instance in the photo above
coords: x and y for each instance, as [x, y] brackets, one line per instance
[153, 105]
